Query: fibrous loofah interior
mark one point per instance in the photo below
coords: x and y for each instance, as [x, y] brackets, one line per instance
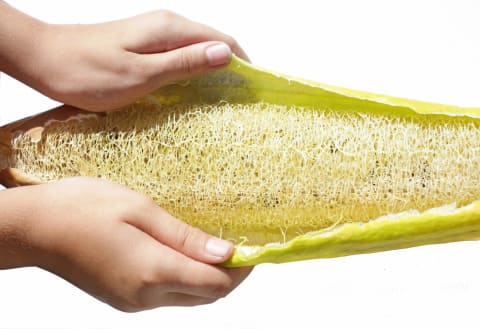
[267, 173]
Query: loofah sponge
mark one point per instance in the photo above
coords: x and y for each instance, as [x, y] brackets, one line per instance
[275, 168]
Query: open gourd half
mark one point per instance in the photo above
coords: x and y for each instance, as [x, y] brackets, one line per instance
[285, 168]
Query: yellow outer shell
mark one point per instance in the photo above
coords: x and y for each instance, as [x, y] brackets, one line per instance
[378, 235]
[242, 82]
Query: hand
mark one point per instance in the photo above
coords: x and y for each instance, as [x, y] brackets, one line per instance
[101, 67]
[118, 245]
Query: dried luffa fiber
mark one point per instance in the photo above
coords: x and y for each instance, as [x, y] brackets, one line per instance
[285, 168]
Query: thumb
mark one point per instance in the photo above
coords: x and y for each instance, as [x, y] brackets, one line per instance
[184, 238]
[200, 245]
[189, 61]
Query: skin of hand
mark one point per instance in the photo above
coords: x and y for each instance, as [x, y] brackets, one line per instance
[109, 241]
[113, 243]
[101, 67]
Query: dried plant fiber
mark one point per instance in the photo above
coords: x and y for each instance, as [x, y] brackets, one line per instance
[285, 168]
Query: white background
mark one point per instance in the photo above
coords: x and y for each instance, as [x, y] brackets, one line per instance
[428, 50]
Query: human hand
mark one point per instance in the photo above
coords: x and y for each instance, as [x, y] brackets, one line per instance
[101, 67]
[119, 246]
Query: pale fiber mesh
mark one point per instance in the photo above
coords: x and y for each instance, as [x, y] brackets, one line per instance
[266, 173]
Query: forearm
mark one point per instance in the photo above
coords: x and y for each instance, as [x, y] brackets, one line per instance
[21, 45]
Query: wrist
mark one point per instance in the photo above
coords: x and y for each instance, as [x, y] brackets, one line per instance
[31, 232]
[16, 249]
[22, 45]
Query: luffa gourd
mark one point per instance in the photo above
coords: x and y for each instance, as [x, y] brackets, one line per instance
[285, 168]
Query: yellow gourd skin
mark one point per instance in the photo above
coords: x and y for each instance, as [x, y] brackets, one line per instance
[244, 83]
[266, 195]
[378, 235]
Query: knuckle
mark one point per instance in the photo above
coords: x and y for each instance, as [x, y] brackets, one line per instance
[213, 285]
[166, 16]
[221, 290]
[185, 234]
[135, 205]
[207, 301]
[185, 62]
[231, 41]
[128, 307]
[145, 203]
[146, 281]
[220, 287]
[128, 304]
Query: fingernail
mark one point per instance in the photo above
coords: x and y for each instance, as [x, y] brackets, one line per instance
[218, 54]
[218, 247]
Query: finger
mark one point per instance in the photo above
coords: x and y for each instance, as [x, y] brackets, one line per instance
[184, 238]
[164, 31]
[176, 299]
[179, 299]
[213, 283]
[178, 273]
[187, 62]
[239, 274]
[189, 32]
